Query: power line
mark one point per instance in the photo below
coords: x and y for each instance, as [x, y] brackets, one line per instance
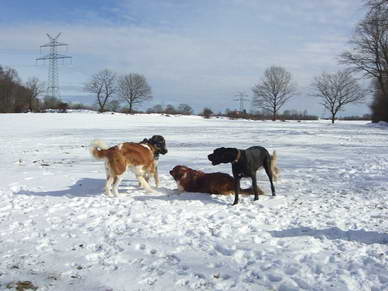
[53, 57]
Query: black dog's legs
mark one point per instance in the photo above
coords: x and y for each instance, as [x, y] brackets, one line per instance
[254, 184]
[236, 190]
[267, 167]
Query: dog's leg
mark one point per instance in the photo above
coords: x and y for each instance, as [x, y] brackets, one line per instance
[108, 185]
[236, 189]
[144, 184]
[107, 169]
[156, 177]
[267, 167]
[116, 183]
[254, 186]
[146, 177]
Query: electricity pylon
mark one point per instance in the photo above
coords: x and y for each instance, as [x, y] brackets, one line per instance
[241, 98]
[53, 57]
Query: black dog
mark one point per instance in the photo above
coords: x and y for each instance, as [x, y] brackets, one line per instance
[245, 163]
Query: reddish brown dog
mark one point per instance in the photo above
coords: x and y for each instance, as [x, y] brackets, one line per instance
[189, 180]
[140, 158]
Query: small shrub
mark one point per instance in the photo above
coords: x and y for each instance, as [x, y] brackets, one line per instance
[207, 113]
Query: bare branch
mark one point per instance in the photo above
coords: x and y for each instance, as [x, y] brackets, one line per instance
[337, 90]
[134, 89]
[274, 90]
[103, 84]
[369, 52]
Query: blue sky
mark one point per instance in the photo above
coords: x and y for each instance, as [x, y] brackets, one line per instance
[197, 52]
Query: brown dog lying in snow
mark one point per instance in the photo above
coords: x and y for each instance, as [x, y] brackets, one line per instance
[189, 180]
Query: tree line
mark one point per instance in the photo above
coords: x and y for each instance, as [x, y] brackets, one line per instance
[17, 96]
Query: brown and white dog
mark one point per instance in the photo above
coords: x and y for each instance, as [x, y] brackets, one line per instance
[138, 157]
[189, 180]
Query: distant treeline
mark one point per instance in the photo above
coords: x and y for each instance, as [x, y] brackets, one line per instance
[286, 115]
[355, 117]
[19, 97]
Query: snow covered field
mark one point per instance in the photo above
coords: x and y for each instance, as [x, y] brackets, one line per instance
[326, 230]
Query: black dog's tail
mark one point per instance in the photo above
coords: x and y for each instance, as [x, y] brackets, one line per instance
[274, 169]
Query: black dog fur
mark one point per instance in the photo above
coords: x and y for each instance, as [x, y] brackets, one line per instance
[245, 164]
[159, 142]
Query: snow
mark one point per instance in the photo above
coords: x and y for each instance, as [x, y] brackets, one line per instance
[379, 124]
[326, 230]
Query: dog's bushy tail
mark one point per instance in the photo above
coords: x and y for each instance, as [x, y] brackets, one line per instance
[249, 191]
[274, 169]
[97, 148]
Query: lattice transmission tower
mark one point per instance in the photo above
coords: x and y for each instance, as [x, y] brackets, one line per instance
[53, 57]
[241, 97]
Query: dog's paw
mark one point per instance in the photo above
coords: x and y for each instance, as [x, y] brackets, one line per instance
[152, 191]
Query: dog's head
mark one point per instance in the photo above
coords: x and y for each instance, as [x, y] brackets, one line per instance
[182, 172]
[223, 155]
[179, 172]
[158, 142]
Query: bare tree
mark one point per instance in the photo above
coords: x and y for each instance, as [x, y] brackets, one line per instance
[377, 4]
[9, 84]
[35, 88]
[337, 90]
[369, 53]
[103, 84]
[207, 113]
[185, 109]
[274, 90]
[134, 89]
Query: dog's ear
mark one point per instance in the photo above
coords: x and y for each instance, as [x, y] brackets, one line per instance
[194, 174]
[157, 138]
[145, 140]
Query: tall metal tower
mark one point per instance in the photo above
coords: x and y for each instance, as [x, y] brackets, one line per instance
[53, 57]
[241, 98]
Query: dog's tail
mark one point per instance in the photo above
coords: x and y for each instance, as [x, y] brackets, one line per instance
[274, 169]
[97, 149]
[249, 191]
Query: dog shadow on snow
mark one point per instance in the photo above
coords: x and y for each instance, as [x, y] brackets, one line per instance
[334, 233]
[87, 187]
[84, 187]
[169, 195]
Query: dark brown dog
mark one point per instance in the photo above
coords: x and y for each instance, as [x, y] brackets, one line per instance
[189, 180]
